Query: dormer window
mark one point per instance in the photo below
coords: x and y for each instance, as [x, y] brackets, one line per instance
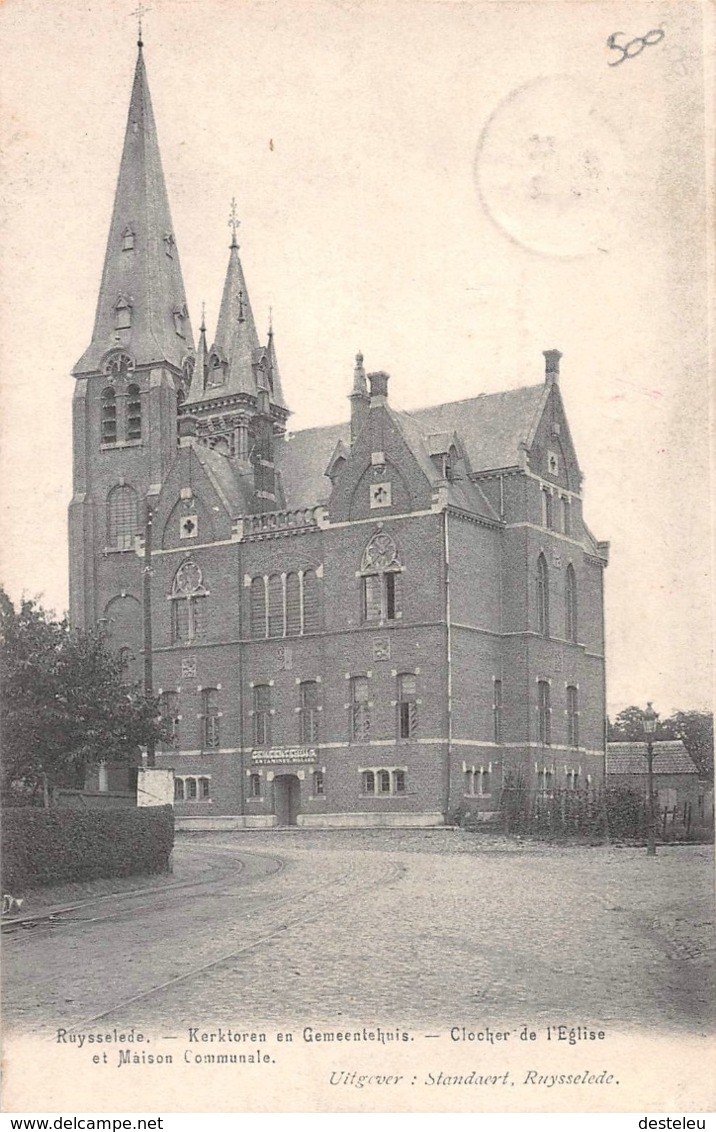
[169, 244]
[179, 314]
[127, 240]
[123, 313]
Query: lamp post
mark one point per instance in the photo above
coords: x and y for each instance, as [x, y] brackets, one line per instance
[649, 718]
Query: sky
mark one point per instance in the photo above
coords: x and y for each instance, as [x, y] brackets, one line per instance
[450, 188]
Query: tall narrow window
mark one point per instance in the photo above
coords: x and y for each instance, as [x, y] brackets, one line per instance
[181, 398]
[372, 597]
[169, 713]
[134, 413]
[310, 602]
[308, 712]
[359, 709]
[210, 718]
[497, 711]
[407, 705]
[381, 574]
[542, 597]
[399, 782]
[571, 603]
[544, 713]
[190, 789]
[573, 716]
[258, 608]
[293, 605]
[547, 515]
[122, 517]
[109, 416]
[275, 597]
[566, 516]
[188, 598]
[178, 790]
[319, 784]
[262, 715]
[254, 785]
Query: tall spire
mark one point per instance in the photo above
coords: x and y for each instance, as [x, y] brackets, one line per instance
[142, 301]
[236, 337]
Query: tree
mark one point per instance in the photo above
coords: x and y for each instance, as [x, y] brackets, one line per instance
[694, 728]
[66, 705]
[628, 727]
[696, 731]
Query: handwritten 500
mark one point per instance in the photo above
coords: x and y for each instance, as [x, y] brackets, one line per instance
[635, 46]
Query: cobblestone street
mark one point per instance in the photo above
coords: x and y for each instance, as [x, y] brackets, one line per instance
[404, 928]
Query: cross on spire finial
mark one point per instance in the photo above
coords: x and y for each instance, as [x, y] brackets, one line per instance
[139, 12]
[233, 222]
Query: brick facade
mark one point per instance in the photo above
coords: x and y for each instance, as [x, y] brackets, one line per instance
[353, 625]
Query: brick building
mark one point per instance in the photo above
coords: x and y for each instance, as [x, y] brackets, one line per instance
[368, 623]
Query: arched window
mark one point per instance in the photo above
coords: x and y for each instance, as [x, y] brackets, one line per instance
[178, 789]
[381, 575]
[109, 416]
[383, 781]
[310, 602]
[542, 596]
[188, 598]
[368, 782]
[570, 598]
[134, 413]
[127, 239]
[293, 605]
[275, 596]
[123, 313]
[258, 608]
[122, 511]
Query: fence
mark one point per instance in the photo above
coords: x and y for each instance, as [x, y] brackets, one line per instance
[607, 813]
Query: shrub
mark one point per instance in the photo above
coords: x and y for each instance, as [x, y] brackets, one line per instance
[45, 847]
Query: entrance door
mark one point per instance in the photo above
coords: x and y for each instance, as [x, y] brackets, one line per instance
[287, 798]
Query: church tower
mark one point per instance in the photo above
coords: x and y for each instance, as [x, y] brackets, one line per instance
[129, 382]
[235, 396]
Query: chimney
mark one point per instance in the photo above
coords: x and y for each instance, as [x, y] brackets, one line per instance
[551, 366]
[358, 399]
[378, 387]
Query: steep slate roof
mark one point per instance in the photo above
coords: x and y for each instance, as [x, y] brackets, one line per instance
[148, 277]
[670, 757]
[491, 428]
[224, 479]
[302, 458]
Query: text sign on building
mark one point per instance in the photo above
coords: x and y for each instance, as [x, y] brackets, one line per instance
[283, 755]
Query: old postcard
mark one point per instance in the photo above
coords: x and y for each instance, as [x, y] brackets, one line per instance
[366, 346]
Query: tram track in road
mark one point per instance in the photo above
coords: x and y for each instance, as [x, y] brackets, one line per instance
[45, 923]
[331, 898]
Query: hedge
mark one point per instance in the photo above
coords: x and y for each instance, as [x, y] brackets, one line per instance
[44, 847]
